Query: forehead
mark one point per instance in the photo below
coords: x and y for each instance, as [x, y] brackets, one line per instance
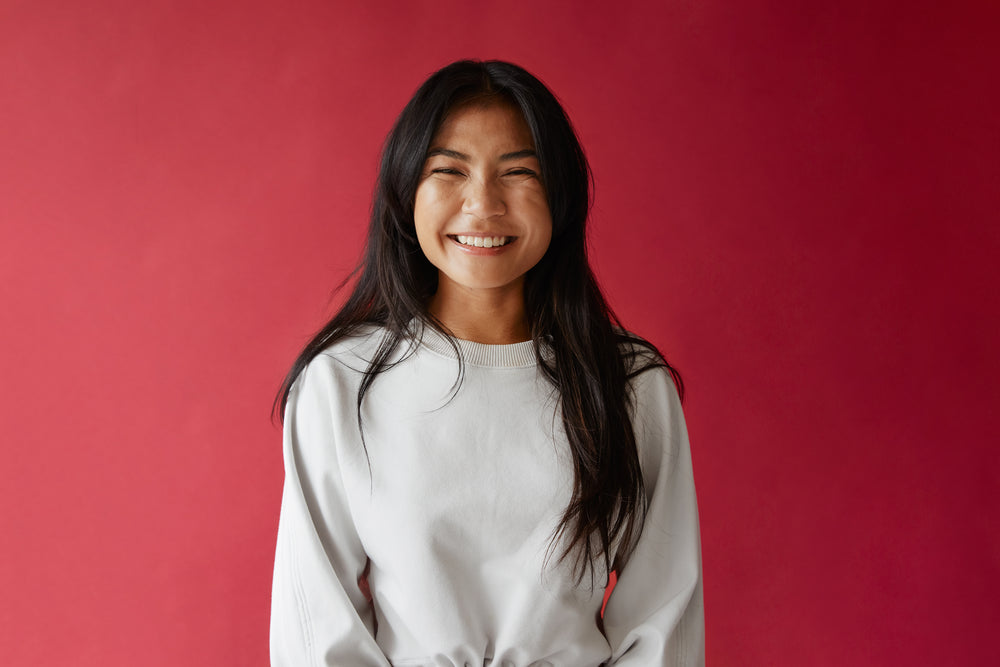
[493, 125]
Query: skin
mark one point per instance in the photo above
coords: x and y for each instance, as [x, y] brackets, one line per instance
[482, 178]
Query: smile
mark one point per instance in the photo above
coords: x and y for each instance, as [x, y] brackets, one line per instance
[483, 241]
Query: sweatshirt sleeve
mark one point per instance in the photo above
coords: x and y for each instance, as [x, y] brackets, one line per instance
[319, 616]
[655, 614]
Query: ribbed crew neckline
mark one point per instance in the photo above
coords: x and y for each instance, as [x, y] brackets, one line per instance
[512, 355]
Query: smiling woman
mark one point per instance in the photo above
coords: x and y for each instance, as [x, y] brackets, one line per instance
[473, 444]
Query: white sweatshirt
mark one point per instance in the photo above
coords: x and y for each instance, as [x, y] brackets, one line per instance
[454, 517]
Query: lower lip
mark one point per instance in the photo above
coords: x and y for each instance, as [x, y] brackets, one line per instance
[476, 250]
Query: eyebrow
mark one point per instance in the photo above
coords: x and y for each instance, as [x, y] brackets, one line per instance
[447, 152]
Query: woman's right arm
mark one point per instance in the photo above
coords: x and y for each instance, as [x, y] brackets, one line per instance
[319, 615]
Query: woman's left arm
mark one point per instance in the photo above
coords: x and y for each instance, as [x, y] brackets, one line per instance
[655, 614]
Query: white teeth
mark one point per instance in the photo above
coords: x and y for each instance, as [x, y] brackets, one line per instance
[483, 241]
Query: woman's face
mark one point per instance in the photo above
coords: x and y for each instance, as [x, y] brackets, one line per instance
[481, 214]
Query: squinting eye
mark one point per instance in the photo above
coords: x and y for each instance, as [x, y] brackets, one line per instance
[520, 172]
[446, 170]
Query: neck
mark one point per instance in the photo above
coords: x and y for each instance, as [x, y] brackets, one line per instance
[490, 316]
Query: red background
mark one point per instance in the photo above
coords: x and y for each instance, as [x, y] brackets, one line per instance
[796, 201]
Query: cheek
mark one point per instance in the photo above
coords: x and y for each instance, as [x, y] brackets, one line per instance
[541, 218]
[424, 214]
[430, 205]
[420, 202]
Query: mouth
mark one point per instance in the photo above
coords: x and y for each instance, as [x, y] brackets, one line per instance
[482, 241]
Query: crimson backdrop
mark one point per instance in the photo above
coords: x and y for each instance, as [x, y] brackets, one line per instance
[796, 201]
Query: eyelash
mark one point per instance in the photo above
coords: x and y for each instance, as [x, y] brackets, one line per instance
[513, 172]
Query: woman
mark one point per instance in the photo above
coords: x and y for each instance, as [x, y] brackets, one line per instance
[473, 443]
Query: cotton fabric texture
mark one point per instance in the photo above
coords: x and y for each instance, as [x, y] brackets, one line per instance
[454, 516]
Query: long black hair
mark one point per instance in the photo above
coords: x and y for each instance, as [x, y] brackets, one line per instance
[591, 357]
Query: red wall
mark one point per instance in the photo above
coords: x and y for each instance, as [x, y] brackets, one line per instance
[798, 204]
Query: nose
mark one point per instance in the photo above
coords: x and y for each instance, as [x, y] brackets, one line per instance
[483, 199]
